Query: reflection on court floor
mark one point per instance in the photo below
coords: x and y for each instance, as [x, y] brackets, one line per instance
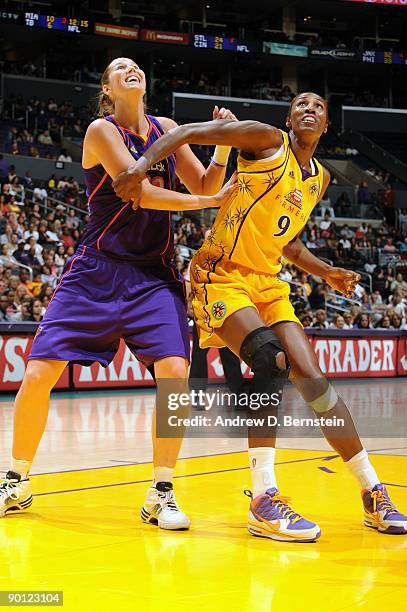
[83, 534]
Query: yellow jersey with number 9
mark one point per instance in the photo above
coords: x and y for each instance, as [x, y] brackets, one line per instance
[273, 203]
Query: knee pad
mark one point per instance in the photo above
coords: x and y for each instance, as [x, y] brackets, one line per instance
[259, 350]
[326, 401]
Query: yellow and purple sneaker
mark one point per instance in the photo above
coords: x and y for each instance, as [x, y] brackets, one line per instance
[381, 513]
[270, 516]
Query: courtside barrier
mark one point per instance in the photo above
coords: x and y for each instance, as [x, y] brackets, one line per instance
[350, 353]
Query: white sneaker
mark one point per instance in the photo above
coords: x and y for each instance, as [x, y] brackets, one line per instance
[161, 508]
[15, 494]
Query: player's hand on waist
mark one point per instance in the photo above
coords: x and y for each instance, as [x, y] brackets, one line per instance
[127, 184]
[342, 280]
[227, 193]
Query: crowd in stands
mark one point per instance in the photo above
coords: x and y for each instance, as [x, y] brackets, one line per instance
[13, 190]
[370, 204]
[257, 88]
[380, 175]
[207, 84]
[41, 234]
[43, 242]
[36, 127]
[52, 120]
[384, 306]
[53, 68]
[265, 90]
[36, 238]
[316, 305]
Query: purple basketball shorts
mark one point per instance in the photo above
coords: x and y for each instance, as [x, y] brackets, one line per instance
[99, 300]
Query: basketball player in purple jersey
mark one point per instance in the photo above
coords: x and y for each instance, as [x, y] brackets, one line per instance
[120, 283]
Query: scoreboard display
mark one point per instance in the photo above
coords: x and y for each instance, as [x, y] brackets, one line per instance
[50, 22]
[202, 41]
[384, 57]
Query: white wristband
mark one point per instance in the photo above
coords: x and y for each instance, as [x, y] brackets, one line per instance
[221, 155]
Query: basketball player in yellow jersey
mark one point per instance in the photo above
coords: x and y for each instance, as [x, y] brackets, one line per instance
[240, 302]
[273, 203]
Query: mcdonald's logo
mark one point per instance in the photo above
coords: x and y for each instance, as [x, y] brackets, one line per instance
[150, 35]
[165, 37]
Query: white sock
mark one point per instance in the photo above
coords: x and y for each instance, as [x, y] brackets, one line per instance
[162, 474]
[262, 468]
[363, 470]
[20, 466]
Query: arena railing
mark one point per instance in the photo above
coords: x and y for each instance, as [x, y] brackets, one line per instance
[344, 301]
[369, 280]
[340, 175]
[29, 121]
[44, 88]
[401, 221]
[17, 264]
[371, 149]
[66, 205]
[333, 305]
[388, 259]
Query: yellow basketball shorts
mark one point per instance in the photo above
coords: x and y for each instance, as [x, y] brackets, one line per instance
[228, 288]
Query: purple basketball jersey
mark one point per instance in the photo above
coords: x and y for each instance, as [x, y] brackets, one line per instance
[121, 282]
[141, 236]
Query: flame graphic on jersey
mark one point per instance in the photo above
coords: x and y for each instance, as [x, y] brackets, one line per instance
[245, 185]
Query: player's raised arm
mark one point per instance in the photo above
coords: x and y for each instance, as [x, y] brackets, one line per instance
[258, 138]
[191, 171]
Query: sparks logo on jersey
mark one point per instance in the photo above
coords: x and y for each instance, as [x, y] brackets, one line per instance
[291, 174]
[313, 189]
[218, 310]
[295, 197]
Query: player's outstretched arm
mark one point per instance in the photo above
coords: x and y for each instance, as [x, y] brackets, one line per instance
[340, 279]
[251, 136]
[157, 198]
